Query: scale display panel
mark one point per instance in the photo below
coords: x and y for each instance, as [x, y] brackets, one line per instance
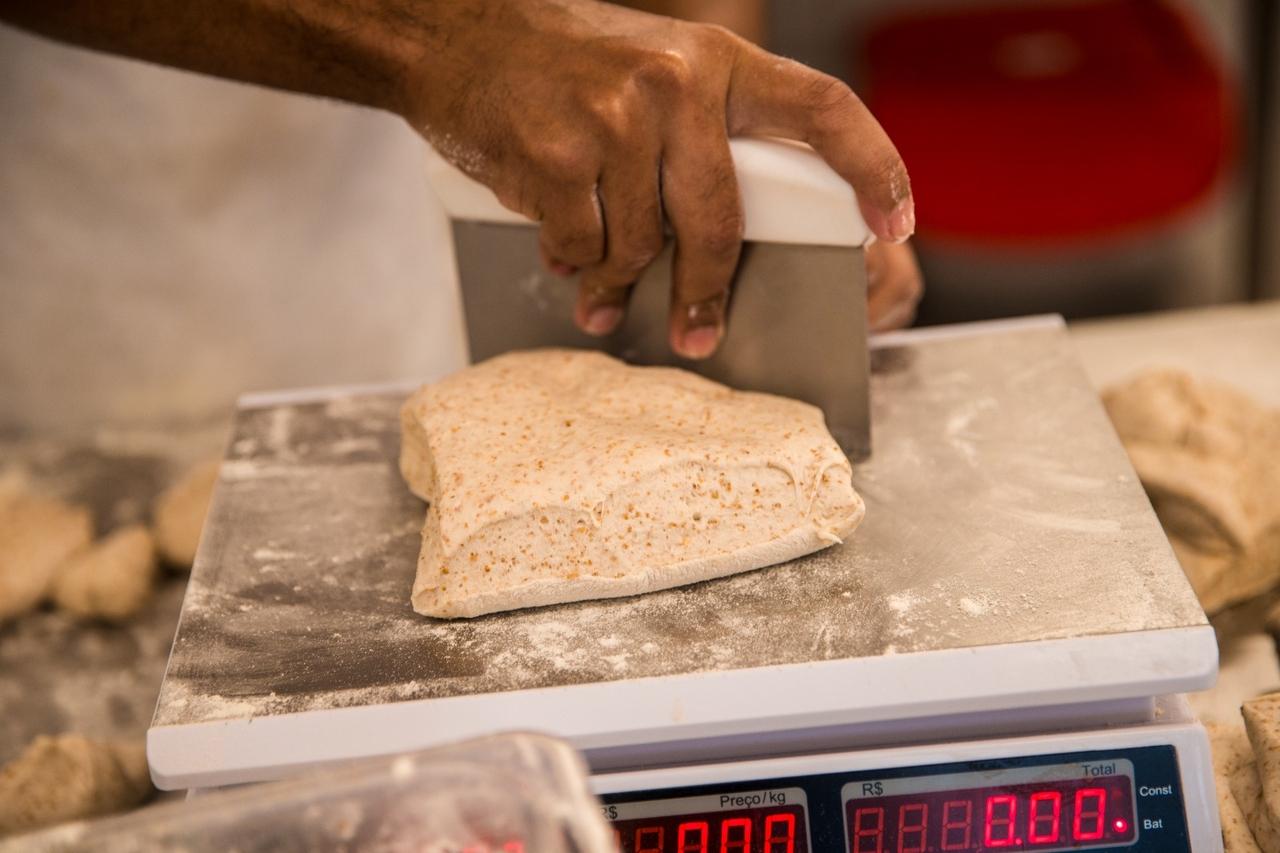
[775, 820]
[1118, 800]
[1071, 806]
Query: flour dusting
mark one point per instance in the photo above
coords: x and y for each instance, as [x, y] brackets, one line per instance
[965, 545]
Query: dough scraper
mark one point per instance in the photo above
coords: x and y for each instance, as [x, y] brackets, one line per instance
[797, 316]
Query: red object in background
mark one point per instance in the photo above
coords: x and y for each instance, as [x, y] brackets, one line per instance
[1051, 123]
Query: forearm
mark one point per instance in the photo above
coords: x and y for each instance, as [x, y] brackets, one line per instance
[603, 124]
[745, 17]
[350, 49]
[371, 52]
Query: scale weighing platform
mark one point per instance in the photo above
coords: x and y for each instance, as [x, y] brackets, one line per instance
[992, 662]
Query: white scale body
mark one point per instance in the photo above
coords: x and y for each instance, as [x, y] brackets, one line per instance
[1009, 614]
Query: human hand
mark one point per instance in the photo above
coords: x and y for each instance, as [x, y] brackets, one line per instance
[894, 286]
[601, 122]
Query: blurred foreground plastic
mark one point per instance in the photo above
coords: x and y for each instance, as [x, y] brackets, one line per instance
[516, 793]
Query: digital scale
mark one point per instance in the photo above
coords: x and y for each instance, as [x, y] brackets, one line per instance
[992, 662]
[1143, 787]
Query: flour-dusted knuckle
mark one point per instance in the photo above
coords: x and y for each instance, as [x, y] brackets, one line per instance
[1207, 456]
[560, 475]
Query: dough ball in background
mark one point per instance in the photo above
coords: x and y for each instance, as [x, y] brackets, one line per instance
[1231, 756]
[111, 580]
[37, 535]
[1262, 722]
[1246, 765]
[178, 514]
[70, 777]
[1205, 454]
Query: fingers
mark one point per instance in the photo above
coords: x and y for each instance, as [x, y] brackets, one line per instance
[572, 233]
[700, 194]
[894, 286]
[629, 194]
[773, 96]
[557, 267]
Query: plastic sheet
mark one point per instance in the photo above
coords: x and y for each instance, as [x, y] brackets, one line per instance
[514, 793]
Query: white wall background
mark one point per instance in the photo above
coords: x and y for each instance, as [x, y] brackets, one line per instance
[169, 241]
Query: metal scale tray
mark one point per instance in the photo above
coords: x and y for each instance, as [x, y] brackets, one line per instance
[1009, 560]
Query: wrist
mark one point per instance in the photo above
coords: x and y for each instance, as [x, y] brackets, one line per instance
[371, 52]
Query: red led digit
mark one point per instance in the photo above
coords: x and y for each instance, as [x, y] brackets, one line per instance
[735, 835]
[649, 839]
[869, 831]
[780, 833]
[1091, 809]
[1002, 811]
[957, 825]
[685, 844]
[1046, 808]
[912, 821]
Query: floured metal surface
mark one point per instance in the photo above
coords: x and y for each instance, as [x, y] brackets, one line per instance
[1000, 509]
[60, 674]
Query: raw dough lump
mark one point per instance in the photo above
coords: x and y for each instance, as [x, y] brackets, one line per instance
[1207, 456]
[563, 475]
[178, 514]
[112, 580]
[70, 777]
[1246, 761]
[37, 535]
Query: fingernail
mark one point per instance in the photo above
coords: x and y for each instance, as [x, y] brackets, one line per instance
[703, 327]
[902, 221]
[561, 269]
[700, 341]
[708, 312]
[603, 320]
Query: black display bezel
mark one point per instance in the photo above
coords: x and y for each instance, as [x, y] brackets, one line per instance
[1153, 767]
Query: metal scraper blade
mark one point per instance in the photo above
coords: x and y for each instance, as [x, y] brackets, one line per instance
[797, 319]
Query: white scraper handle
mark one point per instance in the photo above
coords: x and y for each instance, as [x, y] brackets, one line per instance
[789, 195]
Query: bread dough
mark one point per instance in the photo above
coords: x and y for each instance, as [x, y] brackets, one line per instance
[112, 580]
[1231, 758]
[1247, 774]
[70, 777]
[37, 535]
[1206, 455]
[1262, 722]
[562, 475]
[178, 514]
